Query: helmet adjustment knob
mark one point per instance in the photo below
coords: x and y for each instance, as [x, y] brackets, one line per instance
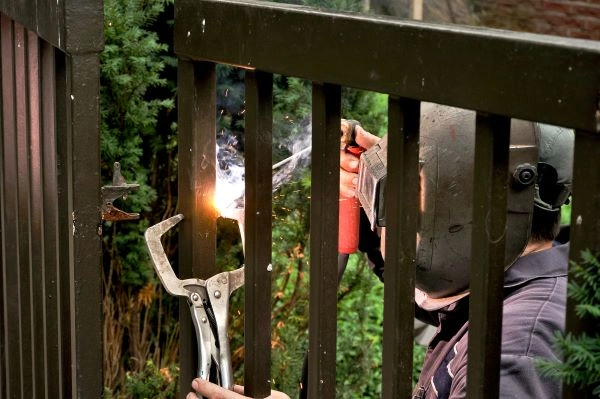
[524, 175]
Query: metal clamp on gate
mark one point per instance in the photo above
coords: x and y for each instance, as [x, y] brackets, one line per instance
[209, 306]
[118, 189]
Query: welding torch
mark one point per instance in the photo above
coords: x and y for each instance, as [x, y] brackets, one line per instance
[363, 215]
[349, 213]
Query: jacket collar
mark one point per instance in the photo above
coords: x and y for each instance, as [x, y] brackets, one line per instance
[552, 262]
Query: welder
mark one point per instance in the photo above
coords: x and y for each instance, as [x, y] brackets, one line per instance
[540, 163]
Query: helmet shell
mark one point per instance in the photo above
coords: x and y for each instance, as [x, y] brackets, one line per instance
[446, 151]
[555, 166]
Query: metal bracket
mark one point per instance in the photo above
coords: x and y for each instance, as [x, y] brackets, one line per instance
[118, 189]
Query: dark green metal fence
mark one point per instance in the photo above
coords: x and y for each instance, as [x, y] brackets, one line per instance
[50, 275]
[50, 302]
[498, 74]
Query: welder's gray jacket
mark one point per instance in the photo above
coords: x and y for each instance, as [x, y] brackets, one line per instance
[534, 308]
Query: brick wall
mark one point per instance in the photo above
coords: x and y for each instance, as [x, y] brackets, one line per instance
[572, 18]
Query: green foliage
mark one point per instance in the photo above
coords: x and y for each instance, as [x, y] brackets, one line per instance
[230, 99]
[360, 346]
[291, 115]
[369, 108]
[360, 317]
[581, 354]
[419, 352]
[565, 214]
[131, 66]
[290, 259]
[584, 287]
[152, 382]
[137, 130]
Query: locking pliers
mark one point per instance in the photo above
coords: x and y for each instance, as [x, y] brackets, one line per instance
[208, 301]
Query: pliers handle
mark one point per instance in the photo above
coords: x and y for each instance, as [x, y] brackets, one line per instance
[167, 276]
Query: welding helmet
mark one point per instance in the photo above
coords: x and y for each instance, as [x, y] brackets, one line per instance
[446, 152]
[555, 166]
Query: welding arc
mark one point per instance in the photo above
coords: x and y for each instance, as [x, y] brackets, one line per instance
[292, 157]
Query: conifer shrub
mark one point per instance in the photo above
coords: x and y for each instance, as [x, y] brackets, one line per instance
[580, 353]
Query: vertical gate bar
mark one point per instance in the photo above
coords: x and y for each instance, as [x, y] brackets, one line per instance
[197, 157]
[326, 109]
[585, 228]
[197, 168]
[492, 138]
[37, 239]
[2, 239]
[52, 360]
[86, 262]
[402, 188]
[12, 363]
[5, 32]
[259, 188]
[23, 200]
[65, 224]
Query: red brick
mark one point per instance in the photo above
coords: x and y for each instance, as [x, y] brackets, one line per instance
[509, 3]
[576, 18]
[575, 32]
[524, 10]
[503, 11]
[558, 19]
[590, 25]
[582, 35]
[559, 31]
[591, 10]
[588, 22]
[561, 7]
[540, 25]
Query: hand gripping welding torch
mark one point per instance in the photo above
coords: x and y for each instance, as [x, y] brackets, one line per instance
[209, 305]
[349, 213]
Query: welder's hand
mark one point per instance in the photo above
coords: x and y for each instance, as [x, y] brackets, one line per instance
[209, 390]
[349, 163]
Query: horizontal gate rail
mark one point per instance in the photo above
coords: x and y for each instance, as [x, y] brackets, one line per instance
[499, 74]
[73, 27]
[528, 76]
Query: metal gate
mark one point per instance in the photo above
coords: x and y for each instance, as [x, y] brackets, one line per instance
[50, 302]
[50, 281]
[498, 74]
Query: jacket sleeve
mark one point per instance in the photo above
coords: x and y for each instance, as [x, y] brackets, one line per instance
[519, 378]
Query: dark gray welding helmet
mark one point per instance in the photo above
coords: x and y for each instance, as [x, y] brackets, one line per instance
[555, 166]
[447, 149]
[447, 145]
